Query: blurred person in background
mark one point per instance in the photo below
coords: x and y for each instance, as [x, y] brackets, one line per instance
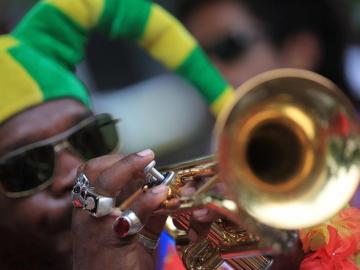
[353, 53]
[244, 38]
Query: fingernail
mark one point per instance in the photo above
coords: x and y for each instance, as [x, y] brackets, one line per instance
[200, 213]
[159, 189]
[145, 153]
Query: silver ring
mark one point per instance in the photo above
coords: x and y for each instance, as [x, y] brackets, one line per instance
[83, 196]
[127, 224]
[148, 242]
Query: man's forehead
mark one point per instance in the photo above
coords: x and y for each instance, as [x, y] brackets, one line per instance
[40, 122]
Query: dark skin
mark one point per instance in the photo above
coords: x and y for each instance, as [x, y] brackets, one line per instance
[42, 220]
[111, 175]
[37, 229]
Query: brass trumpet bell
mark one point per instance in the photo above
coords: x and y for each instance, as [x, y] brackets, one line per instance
[288, 148]
[288, 153]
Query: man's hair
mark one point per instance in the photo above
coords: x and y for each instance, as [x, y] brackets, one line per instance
[327, 19]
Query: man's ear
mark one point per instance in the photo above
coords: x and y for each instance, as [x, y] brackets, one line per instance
[302, 50]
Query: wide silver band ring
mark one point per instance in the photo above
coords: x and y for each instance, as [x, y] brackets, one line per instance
[83, 196]
[148, 242]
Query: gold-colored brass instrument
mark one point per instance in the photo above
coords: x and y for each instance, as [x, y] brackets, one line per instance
[288, 153]
[226, 242]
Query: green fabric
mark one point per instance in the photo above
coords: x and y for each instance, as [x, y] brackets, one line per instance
[200, 72]
[49, 31]
[54, 80]
[125, 18]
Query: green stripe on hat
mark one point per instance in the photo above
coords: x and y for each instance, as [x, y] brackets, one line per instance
[208, 81]
[125, 18]
[54, 80]
[52, 33]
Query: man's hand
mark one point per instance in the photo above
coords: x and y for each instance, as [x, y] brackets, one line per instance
[96, 245]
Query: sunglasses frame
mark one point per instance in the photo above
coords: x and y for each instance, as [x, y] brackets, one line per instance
[58, 142]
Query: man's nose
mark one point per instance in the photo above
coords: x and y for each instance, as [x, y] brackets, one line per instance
[66, 164]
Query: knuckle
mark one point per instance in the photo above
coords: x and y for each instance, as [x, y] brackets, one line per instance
[94, 167]
[81, 168]
[101, 183]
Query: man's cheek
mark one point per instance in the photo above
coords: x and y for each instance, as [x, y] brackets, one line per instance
[49, 214]
[29, 213]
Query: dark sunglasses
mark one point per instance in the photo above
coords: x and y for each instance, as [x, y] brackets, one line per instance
[230, 47]
[30, 168]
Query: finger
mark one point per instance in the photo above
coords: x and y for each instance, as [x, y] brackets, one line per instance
[200, 223]
[145, 204]
[199, 219]
[154, 226]
[93, 168]
[204, 215]
[149, 201]
[198, 230]
[149, 236]
[167, 207]
[112, 180]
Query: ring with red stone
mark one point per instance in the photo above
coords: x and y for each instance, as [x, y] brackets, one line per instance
[83, 196]
[127, 224]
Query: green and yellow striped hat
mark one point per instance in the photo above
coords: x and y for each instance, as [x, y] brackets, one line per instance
[28, 78]
[38, 59]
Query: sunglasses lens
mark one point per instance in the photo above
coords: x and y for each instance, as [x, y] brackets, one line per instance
[32, 170]
[27, 171]
[97, 138]
[229, 48]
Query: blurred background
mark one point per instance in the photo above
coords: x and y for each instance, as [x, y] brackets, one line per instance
[159, 110]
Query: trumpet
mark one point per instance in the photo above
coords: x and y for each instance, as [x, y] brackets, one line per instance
[226, 242]
[288, 154]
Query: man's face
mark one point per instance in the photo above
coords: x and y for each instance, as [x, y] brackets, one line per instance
[40, 223]
[233, 39]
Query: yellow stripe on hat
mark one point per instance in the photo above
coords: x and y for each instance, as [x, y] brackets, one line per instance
[17, 89]
[86, 13]
[166, 39]
[7, 42]
[224, 98]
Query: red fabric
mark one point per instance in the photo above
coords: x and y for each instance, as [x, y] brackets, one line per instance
[334, 256]
[173, 261]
